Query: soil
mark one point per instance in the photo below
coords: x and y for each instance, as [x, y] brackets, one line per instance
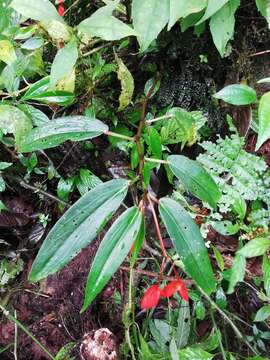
[51, 309]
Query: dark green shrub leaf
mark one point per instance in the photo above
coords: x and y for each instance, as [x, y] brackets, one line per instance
[54, 133]
[78, 227]
[264, 120]
[112, 252]
[155, 143]
[195, 178]
[237, 94]
[188, 243]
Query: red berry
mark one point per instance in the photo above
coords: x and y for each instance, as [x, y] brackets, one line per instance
[61, 10]
[151, 297]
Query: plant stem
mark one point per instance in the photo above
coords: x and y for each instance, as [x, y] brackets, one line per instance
[26, 331]
[90, 52]
[120, 136]
[219, 339]
[156, 161]
[148, 122]
[229, 321]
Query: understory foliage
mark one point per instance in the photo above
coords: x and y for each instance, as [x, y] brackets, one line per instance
[83, 80]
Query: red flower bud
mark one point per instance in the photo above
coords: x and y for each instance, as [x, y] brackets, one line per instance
[173, 287]
[61, 10]
[151, 297]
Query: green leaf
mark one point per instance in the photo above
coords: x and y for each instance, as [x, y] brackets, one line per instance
[41, 10]
[237, 94]
[7, 52]
[40, 91]
[237, 272]
[4, 165]
[78, 227]
[2, 184]
[54, 133]
[173, 350]
[182, 8]
[266, 274]
[149, 18]
[183, 325]
[264, 8]
[65, 351]
[219, 258]
[256, 247]
[188, 243]
[37, 117]
[195, 178]
[127, 84]
[263, 313]
[222, 25]
[102, 24]
[63, 63]
[226, 227]
[33, 43]
[264, 120]
[112, 251]
[14, 121]
[194, 353]
[212, 7]
[155, 143]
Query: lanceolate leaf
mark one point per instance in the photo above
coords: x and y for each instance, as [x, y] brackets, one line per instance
[112, 252]
[222, 25]
[237, 272]
[78, 227]
[195, 178]
[237, 94]
[127, 84]
[255, 247]
[182, 8]
[264, 120]
[54, 133]
[212, 7]
[188, 243]
[41, 10]
[64, 63]
[104, 25]
[149, 18]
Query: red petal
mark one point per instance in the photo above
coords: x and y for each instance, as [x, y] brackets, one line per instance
[61, 10]
[173, 287]
[151, 297]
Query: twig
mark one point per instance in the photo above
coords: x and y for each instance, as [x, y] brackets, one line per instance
[97, 49]
[152, 274]
[15, 337]
[26, 331]
[229, 321]
[148, 122]
[259, 53]
[71, 6]
[120, 136]
[156, 161]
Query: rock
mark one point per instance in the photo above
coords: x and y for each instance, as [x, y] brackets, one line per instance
[99, 345]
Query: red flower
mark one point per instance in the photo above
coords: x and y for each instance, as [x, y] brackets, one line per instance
[173, 287]
[61, 9]
[151, 297]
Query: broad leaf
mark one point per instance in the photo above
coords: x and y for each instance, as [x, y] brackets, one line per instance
[14, 121]
[255, 247]
[63, 63]
[54, 133]
[104, 25]
[78, 227]
[149, 18]
[7, 52]
[264, 120]
[237, 94]
[194, 353]
[182, 8]
[188, 243]
[112, 252]
[37, 117]
[37, 88]
[212, 7]
[41, 10]
[195, 178]
[222, 25]
[58, 31]
[237, 272]
[263, 313]
[127, 84]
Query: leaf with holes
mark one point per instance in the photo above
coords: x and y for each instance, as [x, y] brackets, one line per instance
[195, 178]
[112, 251]
[188, 243]
[237, 94]
[264, 120]
[55, 132]
[78, 227]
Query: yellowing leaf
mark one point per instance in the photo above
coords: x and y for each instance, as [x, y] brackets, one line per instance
[127, 84]
[7, 52]
[57, 30]
[67, 83]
